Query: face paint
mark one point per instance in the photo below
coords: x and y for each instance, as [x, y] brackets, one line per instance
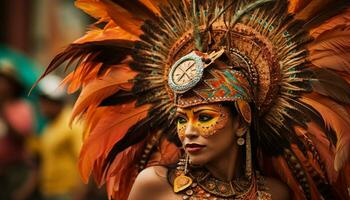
[206, 119]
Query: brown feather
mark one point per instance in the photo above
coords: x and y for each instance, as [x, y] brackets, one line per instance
[324, 148]
[330, 84]
[318, 11]
[336, 117]
[137, 8]
[340, 19]
[331, 49]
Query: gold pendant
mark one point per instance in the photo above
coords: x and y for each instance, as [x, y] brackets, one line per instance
[182, 182]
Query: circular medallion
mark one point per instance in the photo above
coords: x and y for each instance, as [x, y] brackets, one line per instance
[186, 73]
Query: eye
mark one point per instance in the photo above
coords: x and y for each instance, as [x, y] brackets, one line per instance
[181, 120]
[204, 118]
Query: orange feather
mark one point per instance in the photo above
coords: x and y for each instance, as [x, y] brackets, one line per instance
[94, 8]
[336, 117]
[305, 164]
[118, 78]
[282, 169]
[81, 76]
[116, 121]
[152, 6]
[324, 148]
[330, 49]
[124, 171]
[296, 5]
[109, 33]
[341, 18]
[312, 9]
[123, 18]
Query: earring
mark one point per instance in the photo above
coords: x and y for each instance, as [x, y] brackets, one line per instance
[182, 181]
[240, 141]
[240, 133]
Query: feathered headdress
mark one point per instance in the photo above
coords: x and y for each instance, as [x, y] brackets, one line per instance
[298, 62]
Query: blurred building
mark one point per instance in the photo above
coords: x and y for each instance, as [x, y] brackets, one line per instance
[40, 28]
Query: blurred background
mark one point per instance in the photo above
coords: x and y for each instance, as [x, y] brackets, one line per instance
[38, 149]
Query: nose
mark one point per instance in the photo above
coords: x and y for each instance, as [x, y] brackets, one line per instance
[191, 132]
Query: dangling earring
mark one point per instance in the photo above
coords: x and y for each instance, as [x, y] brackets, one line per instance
[240, 133]
[240, 141]
[182, 181]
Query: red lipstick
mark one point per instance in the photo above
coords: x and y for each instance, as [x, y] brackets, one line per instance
[193, 147]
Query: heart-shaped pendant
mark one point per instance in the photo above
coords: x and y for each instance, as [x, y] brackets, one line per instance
[182, 182]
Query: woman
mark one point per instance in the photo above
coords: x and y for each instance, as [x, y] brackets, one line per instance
[248, 82]
[214, 150]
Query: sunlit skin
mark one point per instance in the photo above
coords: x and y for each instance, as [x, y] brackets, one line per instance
[207, 133]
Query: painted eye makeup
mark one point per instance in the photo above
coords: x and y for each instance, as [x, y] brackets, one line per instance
[204, 117]
[181, 120]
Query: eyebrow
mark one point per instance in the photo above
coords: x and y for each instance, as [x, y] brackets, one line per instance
[196, 111]
[204, 109]
[180, 112]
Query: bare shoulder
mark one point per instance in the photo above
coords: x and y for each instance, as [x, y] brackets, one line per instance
[150, 183]
[277, 189]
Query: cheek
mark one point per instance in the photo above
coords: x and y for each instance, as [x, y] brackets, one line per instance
[181, 131]
[213, 126]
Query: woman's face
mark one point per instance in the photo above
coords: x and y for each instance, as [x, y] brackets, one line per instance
[207, 132]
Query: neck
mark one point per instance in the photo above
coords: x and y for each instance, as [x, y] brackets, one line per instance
[226, 167]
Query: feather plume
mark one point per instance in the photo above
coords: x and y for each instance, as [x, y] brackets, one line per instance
[307, 168]
[98, 89]
[96, 9]
[111, 51]
[104, 135]
[330, 84]
[318, 11]
[341, 19]
[124, 172]
[80, 76]
[281, 167]
[109, 34]
[324, 148]
[137, 8]
[123, 18]
[331, 49]
[336, 117]
[296, 5]
[152, 5]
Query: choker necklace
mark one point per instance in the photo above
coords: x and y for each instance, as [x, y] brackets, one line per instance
[198, 183]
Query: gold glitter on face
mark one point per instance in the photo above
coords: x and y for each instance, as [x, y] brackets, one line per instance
[206, 119]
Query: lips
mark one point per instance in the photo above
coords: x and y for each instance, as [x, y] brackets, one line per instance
[193, 147]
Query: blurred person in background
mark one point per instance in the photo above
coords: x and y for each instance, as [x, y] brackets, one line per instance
[17, 174]
[59, 145]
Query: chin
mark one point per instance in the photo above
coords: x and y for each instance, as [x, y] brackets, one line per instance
[198, 159]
